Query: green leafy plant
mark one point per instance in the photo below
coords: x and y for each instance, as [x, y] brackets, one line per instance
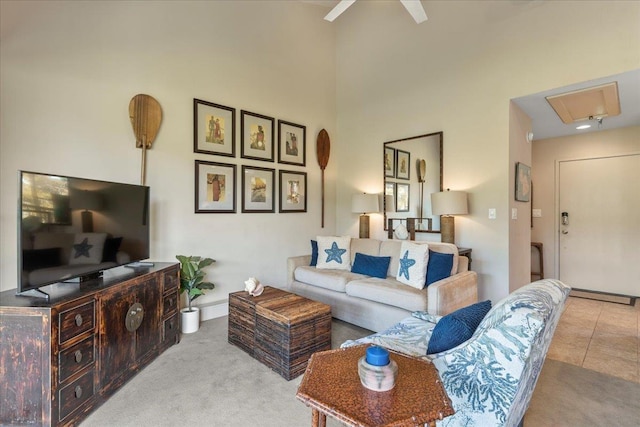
[192, 277]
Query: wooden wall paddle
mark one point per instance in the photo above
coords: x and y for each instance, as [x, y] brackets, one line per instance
[146, 115]
[323, 148]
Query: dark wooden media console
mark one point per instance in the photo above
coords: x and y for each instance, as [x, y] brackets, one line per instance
[61, 358]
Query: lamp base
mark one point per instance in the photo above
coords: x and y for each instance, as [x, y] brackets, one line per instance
[364, 226]
[87, 221]
[448, 229]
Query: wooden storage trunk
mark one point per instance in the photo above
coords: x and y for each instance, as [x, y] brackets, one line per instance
[289, 330]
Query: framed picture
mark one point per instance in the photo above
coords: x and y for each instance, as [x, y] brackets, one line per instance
[258, 189]
[215, 187]
[403, 164]
[402, 197]
[214, 128]
[292, 143]
[293, 191]
[257, 136]
[523, 182]
[389, 162]
[389, 196]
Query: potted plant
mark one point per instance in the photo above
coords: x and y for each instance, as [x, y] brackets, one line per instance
[192, 282]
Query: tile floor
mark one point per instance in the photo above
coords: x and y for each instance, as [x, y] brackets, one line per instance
[601, 336]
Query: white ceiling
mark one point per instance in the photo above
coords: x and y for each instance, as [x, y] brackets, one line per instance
[545, 121]
[547, 124]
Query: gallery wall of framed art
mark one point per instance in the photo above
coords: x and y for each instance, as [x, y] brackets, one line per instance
[217, 185]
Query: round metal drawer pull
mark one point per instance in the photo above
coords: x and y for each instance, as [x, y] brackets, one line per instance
[78, 356]
[78, 392]
[78, 319]
[134, 317]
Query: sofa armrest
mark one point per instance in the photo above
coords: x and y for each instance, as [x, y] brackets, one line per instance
[452, 293]
[293, 263]
[463, 264]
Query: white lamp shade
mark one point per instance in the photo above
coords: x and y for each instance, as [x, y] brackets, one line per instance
[389, 202]
[365, 203]
[449, 203]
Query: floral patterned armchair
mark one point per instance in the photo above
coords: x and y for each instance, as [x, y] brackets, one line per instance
[490, 378]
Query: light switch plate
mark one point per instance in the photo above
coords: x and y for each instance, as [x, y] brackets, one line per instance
[514, 213]
[492, 213]
[536, 213]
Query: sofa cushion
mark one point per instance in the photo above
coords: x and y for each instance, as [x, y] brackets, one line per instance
[447, 248]
[334, 280]
[388, 291]
[110, 251]
[439, 266]
[87, 248]
[364, 246]
[334, 253]
[34, 259]
[314, 253]
[457, 327]
[412, 270]
[374, 266]
[391, 248]
[42, 240]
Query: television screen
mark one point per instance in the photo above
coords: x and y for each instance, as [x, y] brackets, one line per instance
[71, 228]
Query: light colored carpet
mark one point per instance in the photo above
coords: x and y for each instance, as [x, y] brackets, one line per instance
[205, 381]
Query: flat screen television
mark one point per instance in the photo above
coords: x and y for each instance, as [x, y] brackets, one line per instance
[72, 229]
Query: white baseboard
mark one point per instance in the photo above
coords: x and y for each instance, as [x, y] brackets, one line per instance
[214, 310]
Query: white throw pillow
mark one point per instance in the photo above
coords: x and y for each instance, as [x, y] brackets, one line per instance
[412, 268]
[334, 253]
[87, 248]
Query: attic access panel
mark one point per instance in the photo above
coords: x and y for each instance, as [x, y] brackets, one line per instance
[583, 104]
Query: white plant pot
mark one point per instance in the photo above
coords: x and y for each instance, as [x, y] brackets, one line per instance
[190, 320]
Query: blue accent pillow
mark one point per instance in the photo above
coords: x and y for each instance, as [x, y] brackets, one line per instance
[314, 253]
[374, 266]
[457, 327]
[439, 266]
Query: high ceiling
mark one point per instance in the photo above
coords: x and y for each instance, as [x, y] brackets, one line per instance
[546, 123]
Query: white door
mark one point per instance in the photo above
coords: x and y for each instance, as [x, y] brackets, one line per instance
[599, 245]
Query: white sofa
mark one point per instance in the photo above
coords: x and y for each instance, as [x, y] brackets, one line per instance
[374, 303]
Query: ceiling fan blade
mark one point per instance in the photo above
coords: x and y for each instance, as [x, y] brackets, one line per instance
[340, 7]
[414, 7]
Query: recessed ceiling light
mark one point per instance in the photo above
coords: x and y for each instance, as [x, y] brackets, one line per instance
[583, 127]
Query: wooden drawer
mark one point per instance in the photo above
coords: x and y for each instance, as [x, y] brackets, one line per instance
[170, 280]
[170, 330]
[77, 320]
[170, 304]
[72, 396]
[75, 358]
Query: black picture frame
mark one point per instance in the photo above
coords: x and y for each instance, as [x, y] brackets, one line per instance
[292, 191]
[258, 189]
[403, 164]
[257, 138]
[215, 187]
[523, 182]
[389, 162]
[214, 128]
[292, 143]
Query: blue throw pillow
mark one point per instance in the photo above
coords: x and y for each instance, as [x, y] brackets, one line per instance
[457, 327]
[439, 266]
[374, 266]
[314, 253]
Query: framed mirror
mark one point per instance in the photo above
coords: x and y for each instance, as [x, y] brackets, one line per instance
[412, 170]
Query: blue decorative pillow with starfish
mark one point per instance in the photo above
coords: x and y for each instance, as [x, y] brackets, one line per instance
[334, 253]
[412, 267]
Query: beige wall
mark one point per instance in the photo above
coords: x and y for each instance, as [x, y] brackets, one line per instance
[456, 73]
[68, 72]
[546, 155]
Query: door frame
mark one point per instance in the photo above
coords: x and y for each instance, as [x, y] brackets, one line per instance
[556, 220]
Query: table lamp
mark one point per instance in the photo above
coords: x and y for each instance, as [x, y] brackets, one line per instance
[88, 201]
[449, 203]
[364, 204]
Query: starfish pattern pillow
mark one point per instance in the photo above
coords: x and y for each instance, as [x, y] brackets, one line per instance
[412, 267]
[87, 248]
[334, 253]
